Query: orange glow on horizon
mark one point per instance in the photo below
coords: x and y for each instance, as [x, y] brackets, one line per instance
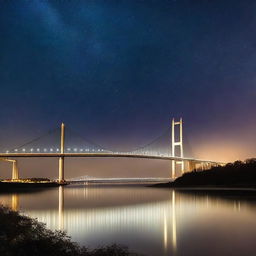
[223, 151]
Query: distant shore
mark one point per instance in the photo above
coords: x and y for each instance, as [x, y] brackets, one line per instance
[233, 176]
[13, 186]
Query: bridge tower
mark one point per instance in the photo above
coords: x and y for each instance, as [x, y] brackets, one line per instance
[61, 159]
[15, 170]
[177, 144]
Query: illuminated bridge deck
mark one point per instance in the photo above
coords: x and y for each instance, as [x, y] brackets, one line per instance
[104, 155]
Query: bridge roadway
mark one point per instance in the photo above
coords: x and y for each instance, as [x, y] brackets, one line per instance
[106, 155]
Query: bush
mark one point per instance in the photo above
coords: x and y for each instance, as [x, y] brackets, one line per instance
[24, 236]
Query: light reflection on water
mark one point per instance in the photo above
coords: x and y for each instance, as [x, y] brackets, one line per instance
[148, 220]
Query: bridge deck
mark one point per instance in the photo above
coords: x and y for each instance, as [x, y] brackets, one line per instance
[104, 155]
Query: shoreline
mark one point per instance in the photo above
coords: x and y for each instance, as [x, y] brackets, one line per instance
[19, 186]
[206, 187]
[215, 188]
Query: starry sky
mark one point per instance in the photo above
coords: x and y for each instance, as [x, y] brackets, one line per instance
[118, 71]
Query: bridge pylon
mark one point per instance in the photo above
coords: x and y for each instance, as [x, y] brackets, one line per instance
[15, 171]
[61, 159]
[177, 142]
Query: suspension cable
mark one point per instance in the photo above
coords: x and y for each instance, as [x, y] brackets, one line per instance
[88, 141]
[111, 150]
[36, 139]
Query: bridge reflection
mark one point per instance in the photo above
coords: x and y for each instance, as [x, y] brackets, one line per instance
[15, 205]
[164, 219]
[61, 208]
[108, 220]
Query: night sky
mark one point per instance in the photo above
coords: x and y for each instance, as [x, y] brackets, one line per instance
[118, 71]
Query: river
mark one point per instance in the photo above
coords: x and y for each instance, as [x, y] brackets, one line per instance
[152, 221]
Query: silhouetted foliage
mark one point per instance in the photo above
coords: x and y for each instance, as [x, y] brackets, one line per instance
[18, 186]
[240, 174]
[24, 236]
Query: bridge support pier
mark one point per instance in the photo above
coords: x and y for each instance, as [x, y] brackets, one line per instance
[192, 166]
[173, 169]
[61, 169]
[61, 159]
[15, 171]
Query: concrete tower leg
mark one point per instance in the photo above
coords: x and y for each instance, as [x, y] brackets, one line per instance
[173, 169]
[61, 169]
[61, 159]
[15, 171]
[179, 144]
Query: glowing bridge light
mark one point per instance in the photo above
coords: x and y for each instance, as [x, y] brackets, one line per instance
[23, 149]
[51, 149]
[38, 149]
[75, 149]
[45, 149]
[57, 150]
[15, 149]
[31, 150]
[7, 151]
[69, 149]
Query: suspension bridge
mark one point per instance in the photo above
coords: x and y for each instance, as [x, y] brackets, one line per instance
[158, 148]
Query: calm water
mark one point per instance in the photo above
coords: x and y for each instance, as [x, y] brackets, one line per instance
[148, 220]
